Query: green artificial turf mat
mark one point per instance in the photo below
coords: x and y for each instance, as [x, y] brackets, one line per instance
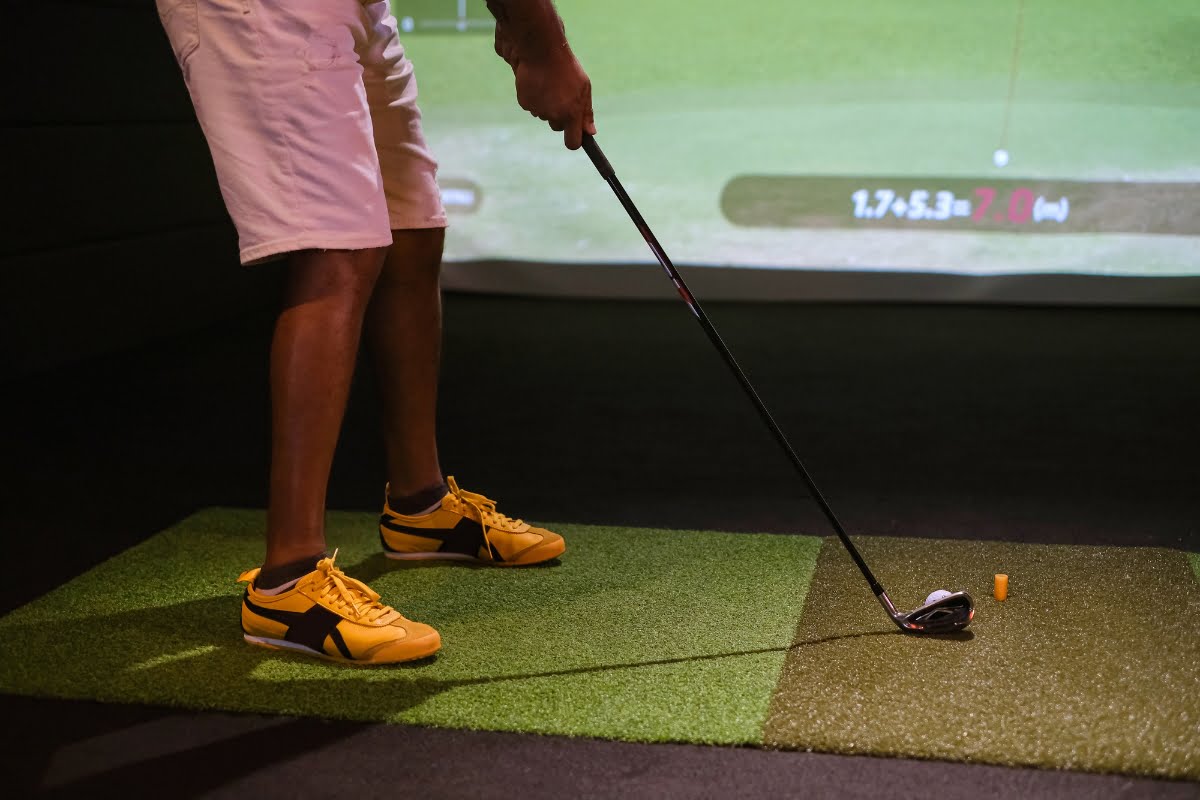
[637, 634]
[1093, 663]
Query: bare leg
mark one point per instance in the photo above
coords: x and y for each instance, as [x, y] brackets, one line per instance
[404, 330]
[312, 362]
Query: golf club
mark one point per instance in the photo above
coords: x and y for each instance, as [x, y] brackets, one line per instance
[949, 614]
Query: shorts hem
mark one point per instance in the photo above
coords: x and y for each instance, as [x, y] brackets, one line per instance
[408, 224]
[279, 248]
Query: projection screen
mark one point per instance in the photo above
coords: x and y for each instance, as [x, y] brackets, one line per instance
[1012, 150]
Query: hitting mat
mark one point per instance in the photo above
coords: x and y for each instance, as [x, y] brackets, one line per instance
[1093, 663]
[637, 634]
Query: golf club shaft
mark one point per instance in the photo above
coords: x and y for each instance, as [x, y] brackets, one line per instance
[606, 171]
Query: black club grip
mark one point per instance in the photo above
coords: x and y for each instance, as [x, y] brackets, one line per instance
[597, 156]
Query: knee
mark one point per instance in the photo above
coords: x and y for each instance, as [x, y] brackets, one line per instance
[342, 277]
[414, 258]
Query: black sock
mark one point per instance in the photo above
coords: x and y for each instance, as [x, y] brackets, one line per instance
[275, 577]
[416, 503]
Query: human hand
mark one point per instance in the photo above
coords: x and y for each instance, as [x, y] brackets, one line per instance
[557, 90]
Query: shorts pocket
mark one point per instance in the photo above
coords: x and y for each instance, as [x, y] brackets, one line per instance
[180, 19]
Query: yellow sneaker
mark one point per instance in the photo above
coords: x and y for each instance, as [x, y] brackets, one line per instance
[467, 527]
[330, 615]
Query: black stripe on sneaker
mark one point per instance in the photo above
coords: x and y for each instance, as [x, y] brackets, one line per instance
[336, 635]
[286, 617]
[313, 627]
[308, 628]
[465, 538]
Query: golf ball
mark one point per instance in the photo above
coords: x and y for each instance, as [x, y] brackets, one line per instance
[938, 595]
[1000, 158]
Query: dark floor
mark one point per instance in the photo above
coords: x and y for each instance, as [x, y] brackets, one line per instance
[1026, 424]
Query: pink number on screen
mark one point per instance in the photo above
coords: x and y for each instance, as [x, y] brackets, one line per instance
[1020, 205]
[986, 195]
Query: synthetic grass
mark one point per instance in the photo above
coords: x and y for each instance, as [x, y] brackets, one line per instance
[636, 634]
[1093, 662]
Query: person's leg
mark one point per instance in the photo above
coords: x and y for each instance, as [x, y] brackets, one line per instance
[299, 601]
[424, 514]
[312, 362]
[423, 517]
[404, 332]
[278, 89]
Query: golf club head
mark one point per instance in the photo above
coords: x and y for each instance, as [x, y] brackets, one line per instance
[951, 613]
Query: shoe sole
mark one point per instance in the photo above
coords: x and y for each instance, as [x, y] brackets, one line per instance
[544, 553]
[433, 645]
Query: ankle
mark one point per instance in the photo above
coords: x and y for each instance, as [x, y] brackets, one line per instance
[417, 503]
[275, 574]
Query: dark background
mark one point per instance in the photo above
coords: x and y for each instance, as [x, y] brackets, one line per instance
[134, 392]
[115, 233]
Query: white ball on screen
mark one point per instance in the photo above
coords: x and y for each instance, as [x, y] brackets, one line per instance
[407, 24]
[1000, 158]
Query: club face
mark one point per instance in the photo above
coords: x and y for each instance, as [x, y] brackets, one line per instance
[947, 615]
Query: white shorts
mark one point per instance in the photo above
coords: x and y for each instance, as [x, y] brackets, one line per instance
[310, 111]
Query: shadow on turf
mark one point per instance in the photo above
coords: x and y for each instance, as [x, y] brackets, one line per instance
[207, 766]
[175, 655]
[378, 565]
[170, 654]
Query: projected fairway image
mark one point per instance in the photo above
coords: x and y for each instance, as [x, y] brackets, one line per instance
[1005, 137]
